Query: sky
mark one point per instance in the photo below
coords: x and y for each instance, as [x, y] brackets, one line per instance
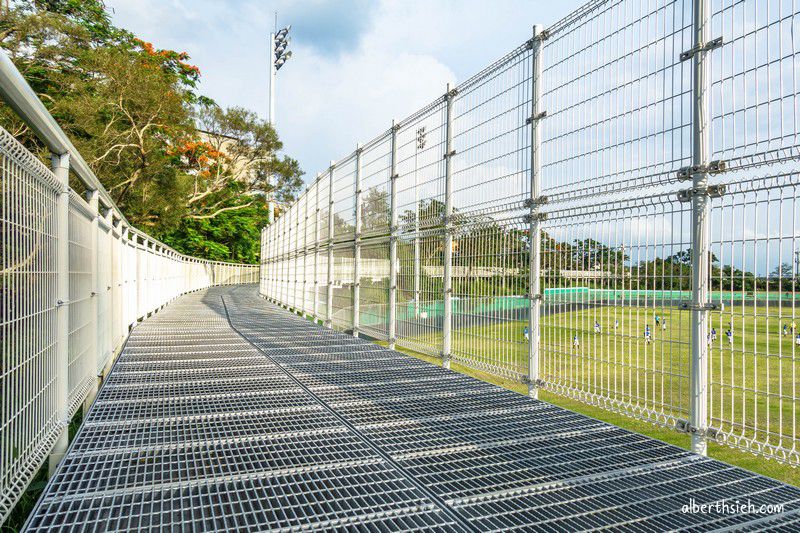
[356, 64]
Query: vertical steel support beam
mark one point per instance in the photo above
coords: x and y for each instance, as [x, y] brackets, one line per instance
[535, 290]
[60, 166]
[701, 142]
[393, 241]
[139, 280]
[357, 249]
[93, 198]
[305, 256]
[447, 326]
[289, 274]
[329, 310]
[316, 252]
[297, 254]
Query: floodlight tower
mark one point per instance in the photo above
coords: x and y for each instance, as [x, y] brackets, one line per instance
[279, 41]
[278, 55]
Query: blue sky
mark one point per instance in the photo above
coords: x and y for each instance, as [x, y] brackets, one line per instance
[357, 64]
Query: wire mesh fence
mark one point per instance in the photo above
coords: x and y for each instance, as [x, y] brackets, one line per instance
[75, 278]
[608, 212]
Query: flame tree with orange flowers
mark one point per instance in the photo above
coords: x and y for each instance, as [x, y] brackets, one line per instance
[180, 167]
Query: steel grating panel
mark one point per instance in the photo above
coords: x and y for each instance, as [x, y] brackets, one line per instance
[263, 420]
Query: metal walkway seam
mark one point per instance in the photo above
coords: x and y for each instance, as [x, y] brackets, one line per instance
[206, 439]
[386, 457]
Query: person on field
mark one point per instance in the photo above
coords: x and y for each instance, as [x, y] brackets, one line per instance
[596, 326]
[785, 330]
[797, 339]
[664, 324]
[526, 333]
[658, 320]
[729, 334]
[616, 323]
[575, 342]
[647, 338]
[713, 334]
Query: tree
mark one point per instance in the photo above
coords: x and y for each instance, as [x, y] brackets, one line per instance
[133, 112]
[783, 271]
[237, 154]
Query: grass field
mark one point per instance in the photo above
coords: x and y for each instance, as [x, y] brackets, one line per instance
[752, 380]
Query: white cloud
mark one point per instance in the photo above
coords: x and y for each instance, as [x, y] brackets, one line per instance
[329, 96]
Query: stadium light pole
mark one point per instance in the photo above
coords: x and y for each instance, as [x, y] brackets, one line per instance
[278, 56]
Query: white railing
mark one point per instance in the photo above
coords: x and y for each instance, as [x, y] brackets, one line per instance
[76, 276]
[617, 141]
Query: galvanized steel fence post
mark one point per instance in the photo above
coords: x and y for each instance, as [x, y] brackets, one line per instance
[316, 252]
[60, 167]
[93, 199]
[701, 142]
[329, 306]
[393, 241]
[357, 249]
[536, 199]
[448, 229]
[305, 261]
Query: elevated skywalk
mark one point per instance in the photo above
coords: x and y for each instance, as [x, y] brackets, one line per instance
[225, 412]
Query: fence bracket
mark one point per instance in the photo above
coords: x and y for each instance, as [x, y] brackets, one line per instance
[684, 426]
[704, 47]
[701, 307]
[536, 117]
[541, 36]
[538, 216]
[713, 191]
[531, 203]
[714, 167]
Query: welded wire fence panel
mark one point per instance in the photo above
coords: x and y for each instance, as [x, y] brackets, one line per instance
[343, 200]
[29, 423]
[490, 303]
[755, 113]
[614, 330]
[617, 98]
[108, 283]
[343, 281]
[491, 136]
[420, 296]
[105, 313]
[82, 358]
[754, 367]
[376, 168]
[374, 289]
[420, 170]
[582, 139]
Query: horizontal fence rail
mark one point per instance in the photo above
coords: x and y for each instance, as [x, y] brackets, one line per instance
[76, 276]
[608, 213]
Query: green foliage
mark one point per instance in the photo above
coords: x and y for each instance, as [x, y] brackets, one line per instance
[178, 166]
[230, 236]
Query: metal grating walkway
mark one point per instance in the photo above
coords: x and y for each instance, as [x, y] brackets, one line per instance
[225, 412]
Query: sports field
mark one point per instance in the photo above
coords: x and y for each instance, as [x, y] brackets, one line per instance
[752, 377]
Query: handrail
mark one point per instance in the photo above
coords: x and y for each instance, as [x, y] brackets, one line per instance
[20, 96]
